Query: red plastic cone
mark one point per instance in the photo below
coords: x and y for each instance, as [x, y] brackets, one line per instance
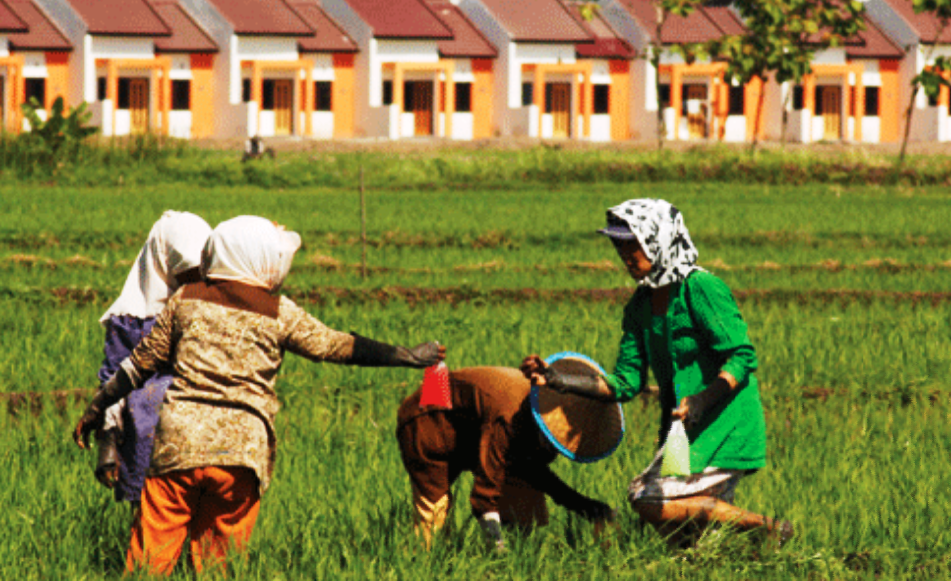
[435, 389]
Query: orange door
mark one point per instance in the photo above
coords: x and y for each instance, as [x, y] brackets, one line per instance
[423, 108]
[832, 113]
[139, 105]
[283, 107]
[696, 110]
[561, 109]
[3, 102]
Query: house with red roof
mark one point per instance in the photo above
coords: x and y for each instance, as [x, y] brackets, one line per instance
[286, 68]
[848, 97]
[423, 69]
[924, 39]
[611, 58]
[142, 65]
[697, 102]
[852, 93]
[547, 67]
[34, 55]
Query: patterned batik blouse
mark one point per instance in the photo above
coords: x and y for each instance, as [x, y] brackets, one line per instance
[225, 341]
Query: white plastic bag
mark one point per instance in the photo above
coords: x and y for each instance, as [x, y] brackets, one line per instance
[676, 460]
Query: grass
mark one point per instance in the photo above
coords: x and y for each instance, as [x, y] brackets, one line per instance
[853, 369]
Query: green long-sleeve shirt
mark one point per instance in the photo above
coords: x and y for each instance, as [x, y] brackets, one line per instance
[704, 334]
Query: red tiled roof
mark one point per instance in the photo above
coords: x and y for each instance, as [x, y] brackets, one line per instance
[725, 19]
[9, 21]
[925, 25]
[409, 19]
[329, 38]
[467, 41]
[187, 36]
[704, 24]
[263, 17]
[873, 43]
[607, 44]
[42, 34]
[537, 21]
[120, 17]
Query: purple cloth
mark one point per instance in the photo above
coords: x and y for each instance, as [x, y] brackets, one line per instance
[141, 412]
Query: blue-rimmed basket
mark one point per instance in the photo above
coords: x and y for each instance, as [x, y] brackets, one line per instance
[580, 428]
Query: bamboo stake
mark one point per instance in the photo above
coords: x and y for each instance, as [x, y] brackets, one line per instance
[363, 223]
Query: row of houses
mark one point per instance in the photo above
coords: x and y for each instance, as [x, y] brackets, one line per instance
[459, 69]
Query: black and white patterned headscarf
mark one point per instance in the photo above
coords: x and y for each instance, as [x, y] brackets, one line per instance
[659, 228]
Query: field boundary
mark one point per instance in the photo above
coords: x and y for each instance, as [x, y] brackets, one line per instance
[462, 295]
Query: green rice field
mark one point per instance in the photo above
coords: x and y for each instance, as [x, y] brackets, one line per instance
[846, 289]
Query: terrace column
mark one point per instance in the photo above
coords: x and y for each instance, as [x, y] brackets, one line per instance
[308, 98]
[167, 95]
[398, 97]
[808, 103]
[858, 69]
[588, 89]
[676, 97]
[450, 108]
[257, 89]
[112, 91]
[538, 96]
[722, 106]
[155, 95]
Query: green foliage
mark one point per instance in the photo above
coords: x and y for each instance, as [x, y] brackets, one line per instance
[62, 135]
[855, 387]
[933, 76]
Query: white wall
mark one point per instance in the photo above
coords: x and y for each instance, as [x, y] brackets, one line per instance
[735, 128]
[322, 124]
[364, 92]
[600, 128]
[500, 39]
[34, 64]
[180, 124]
[73, 27]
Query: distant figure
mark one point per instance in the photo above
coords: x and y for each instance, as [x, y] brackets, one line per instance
[254, 148]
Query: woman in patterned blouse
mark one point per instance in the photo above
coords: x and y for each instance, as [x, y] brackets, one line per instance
[215, 442]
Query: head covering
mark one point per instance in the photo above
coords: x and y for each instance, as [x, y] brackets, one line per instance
[251, 250]
[174, 245]
[580, 428]
[659, 229]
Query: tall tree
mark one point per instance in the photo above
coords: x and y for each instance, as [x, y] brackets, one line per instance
[932, 77]
[781, 39]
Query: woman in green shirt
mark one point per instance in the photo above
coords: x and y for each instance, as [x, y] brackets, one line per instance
[684, 324]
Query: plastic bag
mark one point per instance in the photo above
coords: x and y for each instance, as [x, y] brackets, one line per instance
[435, 388]
[676, 460]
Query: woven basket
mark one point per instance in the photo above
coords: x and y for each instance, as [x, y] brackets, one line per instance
[582, 429]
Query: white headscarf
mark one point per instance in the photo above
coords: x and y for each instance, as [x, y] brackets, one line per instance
[174, 245]
[660, 230]
[251, 250]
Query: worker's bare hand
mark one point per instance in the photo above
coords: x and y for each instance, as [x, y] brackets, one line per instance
[533, 368]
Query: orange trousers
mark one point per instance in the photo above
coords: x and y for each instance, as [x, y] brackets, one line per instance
[212, 506]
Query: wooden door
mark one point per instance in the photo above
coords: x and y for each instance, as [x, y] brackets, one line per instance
[139, 105]
[3, 102]
[561, 109]
[423, 108]
[283, 107]
[832, 113]
[696, 102]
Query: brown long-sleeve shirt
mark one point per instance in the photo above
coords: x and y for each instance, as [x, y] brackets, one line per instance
[489, 431]
[226, 342]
